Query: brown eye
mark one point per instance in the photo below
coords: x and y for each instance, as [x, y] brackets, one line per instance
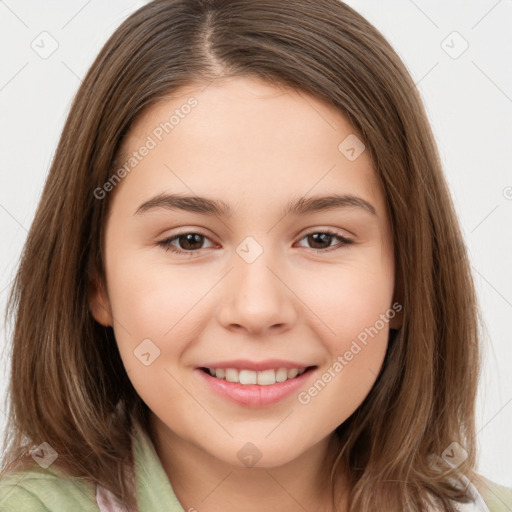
[190, 241]
[321, 241]
[184, 243]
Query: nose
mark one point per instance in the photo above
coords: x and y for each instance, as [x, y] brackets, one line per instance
[257, 298]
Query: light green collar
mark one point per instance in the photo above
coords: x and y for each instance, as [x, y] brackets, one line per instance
[154, 491]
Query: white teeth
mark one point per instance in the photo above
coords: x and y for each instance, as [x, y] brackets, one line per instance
[231, 375]
[281, 375]
[293, 373]
[247, 377]
[263, 378]
[266, 377]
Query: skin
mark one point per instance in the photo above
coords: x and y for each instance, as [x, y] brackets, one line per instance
[256, 147]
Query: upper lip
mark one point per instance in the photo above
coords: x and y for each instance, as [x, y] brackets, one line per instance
[268, 364]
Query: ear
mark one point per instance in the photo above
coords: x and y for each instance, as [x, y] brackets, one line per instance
[99, 303]
[398, 303]
[396, 321]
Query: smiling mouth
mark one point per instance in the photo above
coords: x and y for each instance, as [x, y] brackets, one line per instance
[263, 378]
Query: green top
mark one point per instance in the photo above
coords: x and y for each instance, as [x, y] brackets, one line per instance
[50, 490]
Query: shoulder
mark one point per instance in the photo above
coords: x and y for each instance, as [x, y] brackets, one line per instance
[44, 490]
[498, 498]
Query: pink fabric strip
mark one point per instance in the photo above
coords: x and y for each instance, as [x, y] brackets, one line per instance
[107, 501]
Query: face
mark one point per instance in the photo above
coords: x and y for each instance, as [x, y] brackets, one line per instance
[244, 280]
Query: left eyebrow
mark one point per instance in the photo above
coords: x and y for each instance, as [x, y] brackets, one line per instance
[215, 207]
[303, 206]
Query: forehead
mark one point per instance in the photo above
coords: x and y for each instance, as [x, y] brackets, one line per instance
[244, 138]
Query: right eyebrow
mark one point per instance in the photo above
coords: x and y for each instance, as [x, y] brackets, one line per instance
[194, 204]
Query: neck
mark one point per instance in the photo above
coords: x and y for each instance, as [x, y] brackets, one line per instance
[203, 482]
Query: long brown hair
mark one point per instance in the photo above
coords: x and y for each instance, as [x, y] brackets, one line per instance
[68, 385]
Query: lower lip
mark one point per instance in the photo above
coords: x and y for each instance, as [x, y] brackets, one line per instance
[255, 395]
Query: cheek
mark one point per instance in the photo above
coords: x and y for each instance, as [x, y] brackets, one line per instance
[348, 299]
[360, 323]
[157, 311]
[158, 303]
[154, 300]
[354, 304]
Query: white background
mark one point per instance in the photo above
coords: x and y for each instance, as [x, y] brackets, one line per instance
[468, 100]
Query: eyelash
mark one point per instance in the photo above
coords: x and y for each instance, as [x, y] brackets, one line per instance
[166, 243]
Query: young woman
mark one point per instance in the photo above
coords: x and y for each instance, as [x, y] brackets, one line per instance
[239, 291]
